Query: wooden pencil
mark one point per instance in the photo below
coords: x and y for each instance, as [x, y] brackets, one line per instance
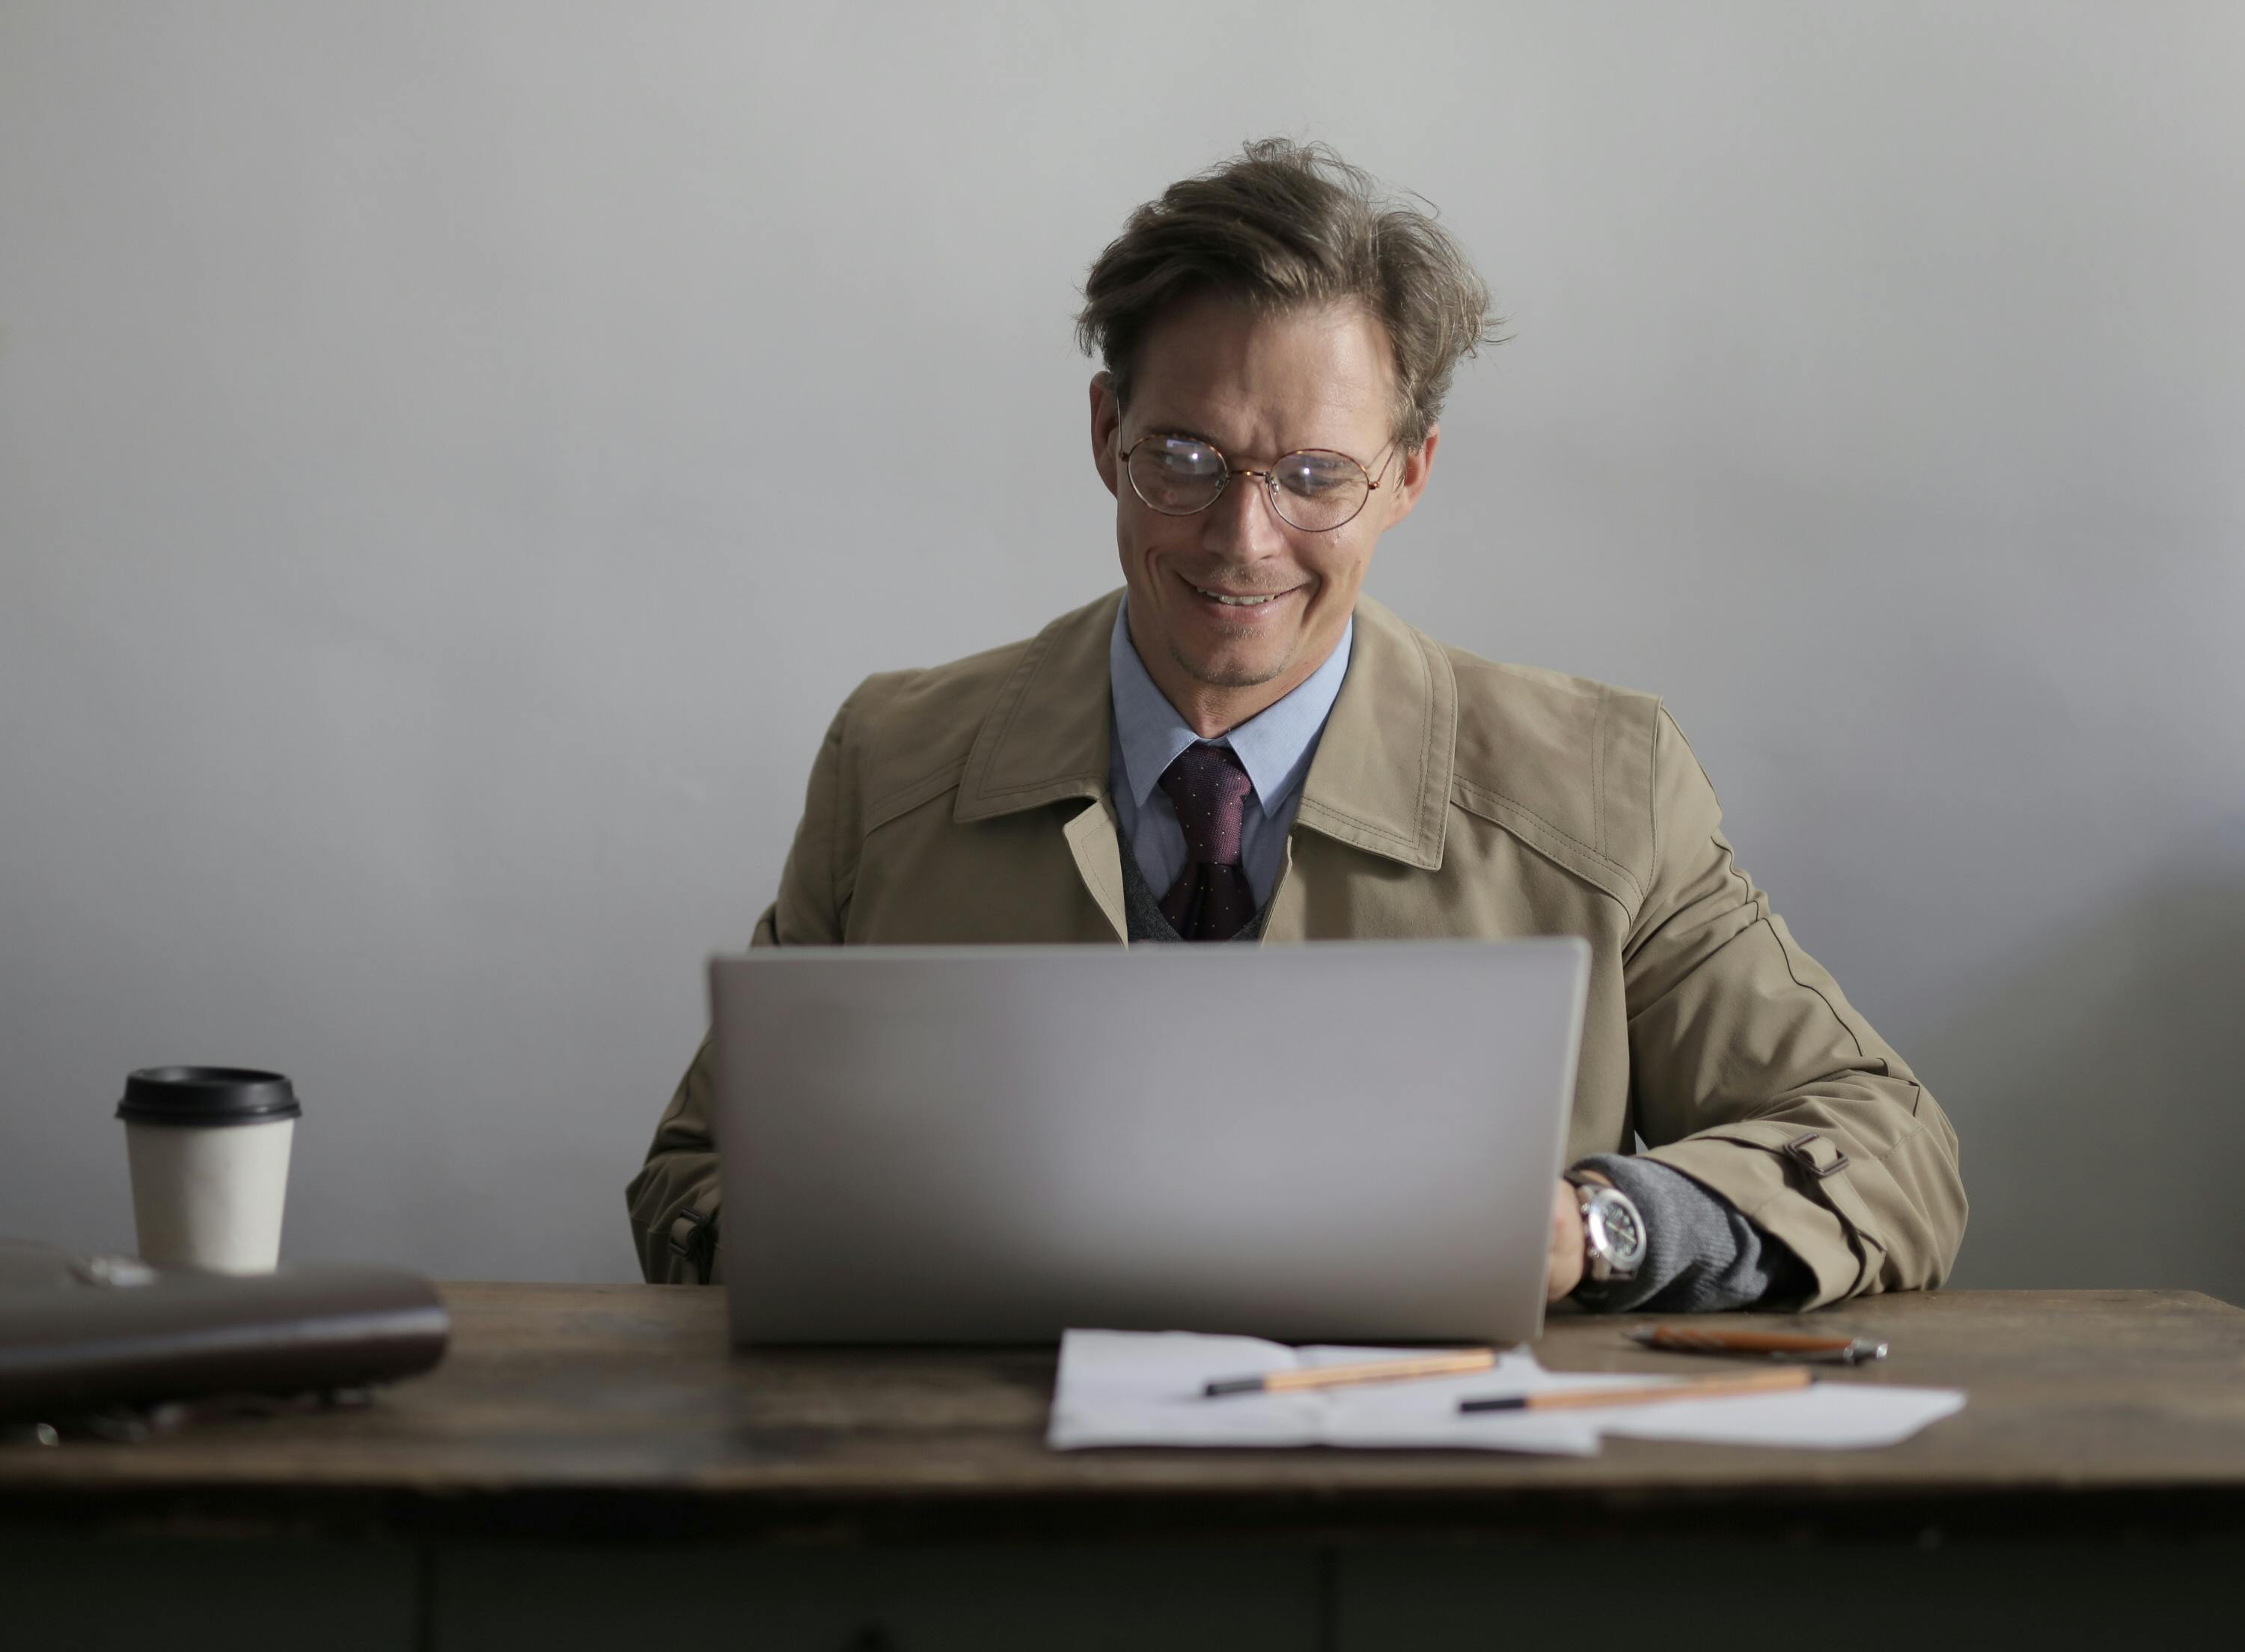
[1370, 1371]
[1759, 1382]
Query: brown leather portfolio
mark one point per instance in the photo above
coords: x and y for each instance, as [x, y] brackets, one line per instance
[84, 1335]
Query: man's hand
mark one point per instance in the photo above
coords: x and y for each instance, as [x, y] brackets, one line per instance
[1566, 1245]
[1567, 1241]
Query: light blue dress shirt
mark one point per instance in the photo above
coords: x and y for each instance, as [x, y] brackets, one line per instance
[1274, 746]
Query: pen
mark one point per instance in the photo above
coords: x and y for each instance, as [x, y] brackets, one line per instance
[1847, 1351]
[1371, 1370]
[1759, 1382]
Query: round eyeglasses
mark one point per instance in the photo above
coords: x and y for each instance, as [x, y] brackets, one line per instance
[1314, 489]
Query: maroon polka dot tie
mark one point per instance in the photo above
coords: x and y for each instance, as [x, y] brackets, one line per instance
[1210, 901]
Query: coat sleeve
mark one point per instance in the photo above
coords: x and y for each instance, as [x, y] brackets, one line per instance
[1752, 1074]
[673, 1201]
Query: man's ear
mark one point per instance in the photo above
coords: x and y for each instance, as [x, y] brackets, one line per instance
[1106, 420]
[1411, 474]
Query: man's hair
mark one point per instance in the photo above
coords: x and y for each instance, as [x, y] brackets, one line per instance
[1286, 226]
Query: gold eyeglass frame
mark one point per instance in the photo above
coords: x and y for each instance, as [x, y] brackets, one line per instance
[1270, 478]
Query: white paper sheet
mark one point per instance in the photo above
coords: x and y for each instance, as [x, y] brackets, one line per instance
[1144, 1388]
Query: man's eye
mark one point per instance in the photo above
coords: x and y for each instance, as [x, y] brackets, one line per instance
[1309, 480]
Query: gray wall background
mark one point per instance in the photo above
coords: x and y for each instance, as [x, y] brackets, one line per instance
[454, 457]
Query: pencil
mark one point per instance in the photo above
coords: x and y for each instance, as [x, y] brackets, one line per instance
[1759, 1382]
[1693, 1339]
[1371, 1370]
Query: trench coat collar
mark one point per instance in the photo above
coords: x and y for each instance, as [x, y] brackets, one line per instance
[1380, 780]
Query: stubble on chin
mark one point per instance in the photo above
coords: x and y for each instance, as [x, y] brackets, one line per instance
[1216, 675]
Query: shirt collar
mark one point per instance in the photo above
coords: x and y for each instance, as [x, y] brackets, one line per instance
[1274, 746]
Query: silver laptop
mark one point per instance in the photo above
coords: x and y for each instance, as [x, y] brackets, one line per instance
[1341, 1141]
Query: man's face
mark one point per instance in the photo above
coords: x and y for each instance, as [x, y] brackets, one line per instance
[1255, 385]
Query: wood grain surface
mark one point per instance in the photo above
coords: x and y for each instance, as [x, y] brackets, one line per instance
[618, 1411]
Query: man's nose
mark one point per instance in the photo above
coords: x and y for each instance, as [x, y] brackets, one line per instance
[1242, 522]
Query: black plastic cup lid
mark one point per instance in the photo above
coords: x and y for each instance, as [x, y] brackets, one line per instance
[208, 1095]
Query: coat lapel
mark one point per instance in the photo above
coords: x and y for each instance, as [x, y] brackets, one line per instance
[1380, 781]
[1094, 838]
[1046, 739]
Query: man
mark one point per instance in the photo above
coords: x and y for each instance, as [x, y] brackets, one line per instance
[1241, 746]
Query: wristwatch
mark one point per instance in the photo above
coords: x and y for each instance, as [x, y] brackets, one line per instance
[1613, 1232]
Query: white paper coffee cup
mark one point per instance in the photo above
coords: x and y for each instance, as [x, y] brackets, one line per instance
[208, 1149]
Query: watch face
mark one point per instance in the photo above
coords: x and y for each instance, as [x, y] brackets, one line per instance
[1617, 1231]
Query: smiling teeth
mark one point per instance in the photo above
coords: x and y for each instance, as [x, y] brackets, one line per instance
[1241, 602]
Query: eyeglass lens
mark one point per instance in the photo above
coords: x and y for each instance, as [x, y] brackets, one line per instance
[1313, 490]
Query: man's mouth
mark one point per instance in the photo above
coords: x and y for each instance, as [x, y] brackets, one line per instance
[1253, 600]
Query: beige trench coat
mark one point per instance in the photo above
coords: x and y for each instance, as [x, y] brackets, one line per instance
[1449, 796]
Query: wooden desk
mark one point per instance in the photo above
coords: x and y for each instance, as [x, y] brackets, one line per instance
[591, 1466]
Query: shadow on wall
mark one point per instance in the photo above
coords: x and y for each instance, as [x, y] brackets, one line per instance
[2099, 1099]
